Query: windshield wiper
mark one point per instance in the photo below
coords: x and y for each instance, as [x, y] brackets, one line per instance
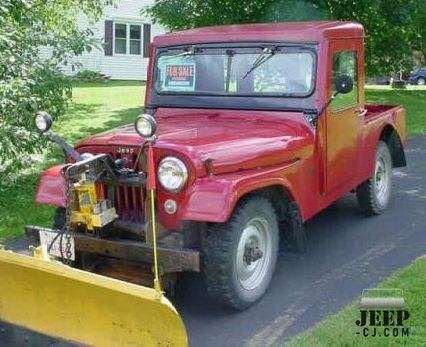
[188, 51]
[267, 53]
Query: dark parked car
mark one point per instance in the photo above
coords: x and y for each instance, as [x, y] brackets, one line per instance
[418, 77]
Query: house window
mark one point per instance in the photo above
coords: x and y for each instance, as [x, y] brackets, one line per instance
[120, 38]
[135, 39]
[127, 39]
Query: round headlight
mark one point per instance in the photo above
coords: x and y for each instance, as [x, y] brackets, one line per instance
[172, 174]
[43, 121]
[145, 125]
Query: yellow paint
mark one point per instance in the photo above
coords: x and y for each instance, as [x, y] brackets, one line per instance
[157, 284]
[87, 202]
[86, 194]
[94, 220]
[75, 305]
[40, 252]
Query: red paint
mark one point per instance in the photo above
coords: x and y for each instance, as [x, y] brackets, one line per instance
[150, 184]
[290, 31]
[51, 189]
[254, 149]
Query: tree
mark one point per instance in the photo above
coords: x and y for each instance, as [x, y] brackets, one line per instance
[30, 82]
[389, 24]
[420, 29]
[183, 14]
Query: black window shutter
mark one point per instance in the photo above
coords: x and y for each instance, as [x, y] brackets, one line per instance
[146, 39]
[108, 37]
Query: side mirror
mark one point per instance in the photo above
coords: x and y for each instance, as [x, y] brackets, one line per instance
[344, 84]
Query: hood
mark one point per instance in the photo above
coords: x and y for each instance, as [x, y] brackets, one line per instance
[232, 140]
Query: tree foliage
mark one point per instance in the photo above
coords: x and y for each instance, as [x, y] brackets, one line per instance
[390, 24]
[420, 25]
[30, 80]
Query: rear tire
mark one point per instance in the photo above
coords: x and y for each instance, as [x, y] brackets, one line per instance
[421, 81]
[374, 194]
[240, 255]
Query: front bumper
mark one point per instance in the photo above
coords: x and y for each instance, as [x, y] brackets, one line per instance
[170, 259]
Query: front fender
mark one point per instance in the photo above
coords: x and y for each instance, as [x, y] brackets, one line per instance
[212, 199]
[51, 188]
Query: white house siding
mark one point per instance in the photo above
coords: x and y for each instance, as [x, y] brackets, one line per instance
[118, 66]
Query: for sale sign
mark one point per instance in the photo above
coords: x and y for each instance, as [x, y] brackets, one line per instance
[180, 77]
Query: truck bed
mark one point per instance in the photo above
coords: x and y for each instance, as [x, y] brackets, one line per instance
[374, 110]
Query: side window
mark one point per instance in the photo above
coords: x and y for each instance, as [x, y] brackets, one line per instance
[345, 63]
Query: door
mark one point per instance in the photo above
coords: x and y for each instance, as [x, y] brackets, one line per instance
[342, 116]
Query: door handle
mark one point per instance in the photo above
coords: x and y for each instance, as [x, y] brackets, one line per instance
[361, 112]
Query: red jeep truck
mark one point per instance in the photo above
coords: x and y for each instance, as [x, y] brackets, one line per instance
[255, 129]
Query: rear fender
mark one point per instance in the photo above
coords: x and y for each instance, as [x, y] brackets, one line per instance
[51, 188]
[389, 128]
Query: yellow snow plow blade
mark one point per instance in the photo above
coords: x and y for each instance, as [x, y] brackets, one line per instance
[81, 307]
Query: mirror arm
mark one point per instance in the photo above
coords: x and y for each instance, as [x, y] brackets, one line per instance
[65, 146]
[327, 103]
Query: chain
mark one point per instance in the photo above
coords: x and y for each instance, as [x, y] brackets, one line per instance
[67, 228]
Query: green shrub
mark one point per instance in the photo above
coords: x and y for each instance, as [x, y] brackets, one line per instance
[88, 75]
[28, 80]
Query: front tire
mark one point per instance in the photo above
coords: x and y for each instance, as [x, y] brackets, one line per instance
[374, 194]
[240, 255]
[421, 81]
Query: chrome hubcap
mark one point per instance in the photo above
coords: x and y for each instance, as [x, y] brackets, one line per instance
[253, 253]
[421, 82]
[382, 178]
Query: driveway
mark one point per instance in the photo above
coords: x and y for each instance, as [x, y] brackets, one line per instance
[347, 252]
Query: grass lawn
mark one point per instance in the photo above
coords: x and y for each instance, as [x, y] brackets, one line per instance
[340, 329]
[413, 99]
[95, 107]
[100, 106]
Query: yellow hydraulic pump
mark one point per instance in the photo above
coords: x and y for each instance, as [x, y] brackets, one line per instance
[88, 210]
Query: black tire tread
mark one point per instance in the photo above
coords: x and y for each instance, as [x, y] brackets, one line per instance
[365, 196]
[218, 253]
[365, 193]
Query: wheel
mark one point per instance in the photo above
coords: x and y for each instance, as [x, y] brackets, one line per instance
[421, 81]
[240, 256]
[374, 194]
[59, 218]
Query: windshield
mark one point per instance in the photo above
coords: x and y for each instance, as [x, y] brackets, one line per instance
[275, 70]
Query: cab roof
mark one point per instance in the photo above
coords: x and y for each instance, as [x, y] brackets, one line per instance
[286, 32]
